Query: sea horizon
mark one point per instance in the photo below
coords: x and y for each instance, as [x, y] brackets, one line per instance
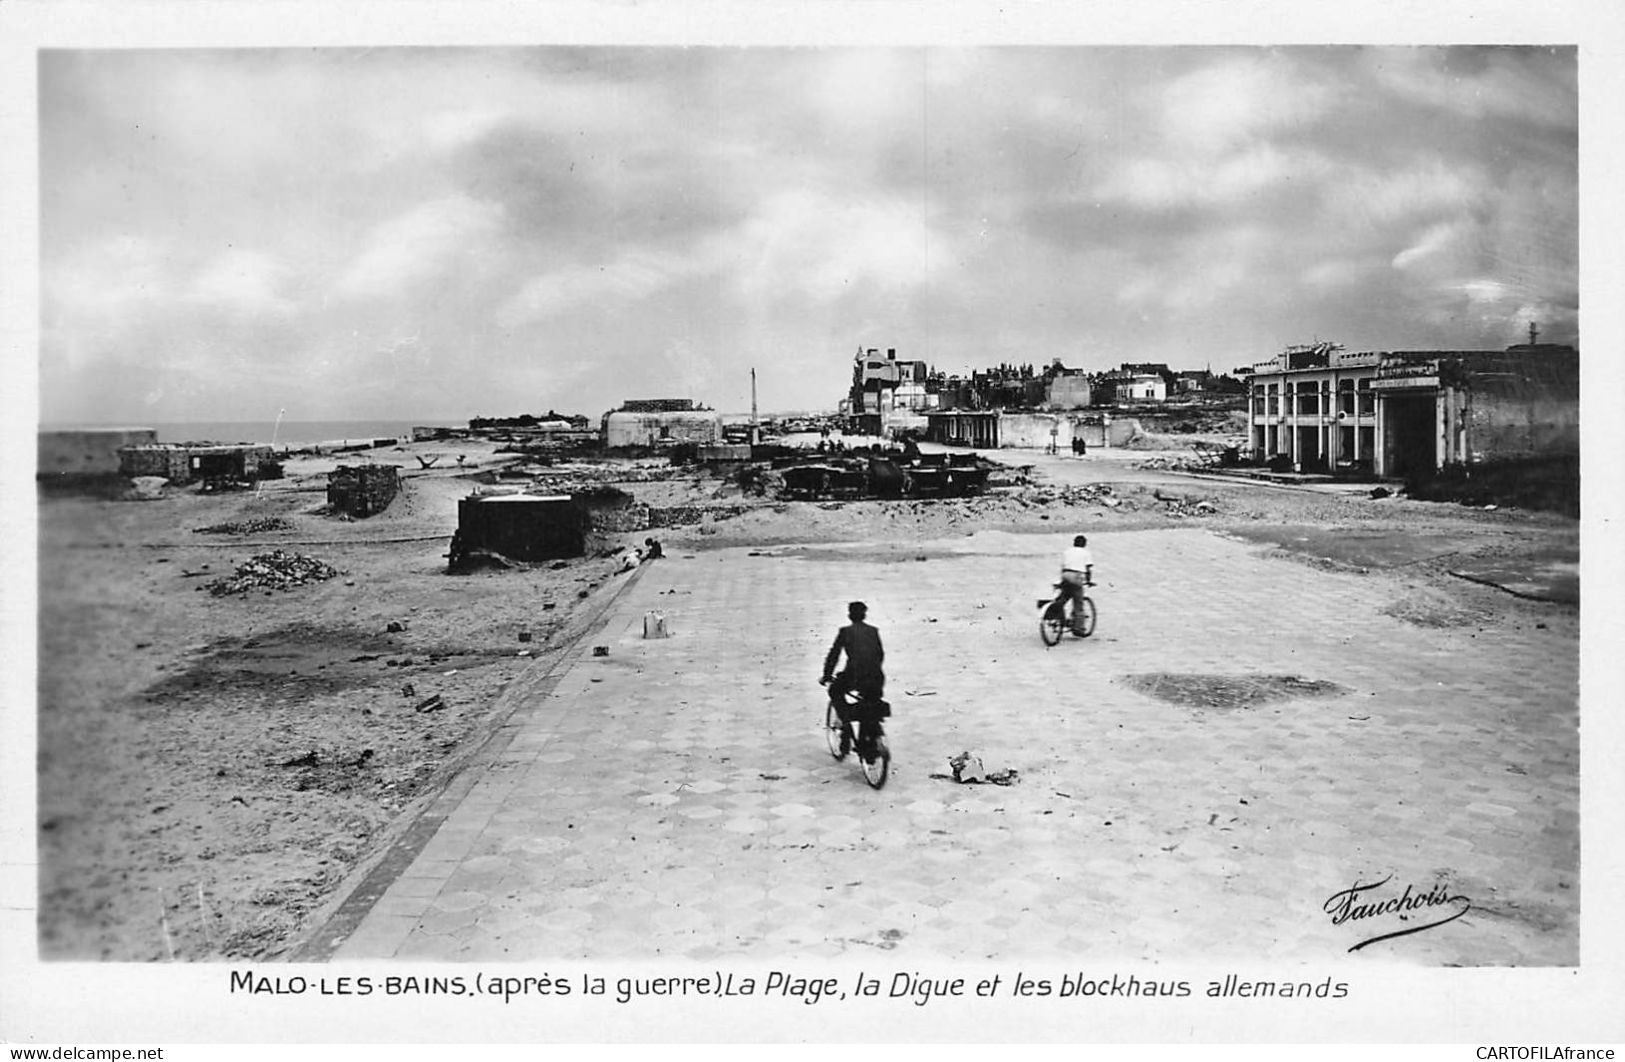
[269, 432]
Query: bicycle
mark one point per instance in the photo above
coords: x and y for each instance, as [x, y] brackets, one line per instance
[838, 720]
[1060, 615]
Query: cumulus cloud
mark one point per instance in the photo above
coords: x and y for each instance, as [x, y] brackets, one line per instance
[115, 277]
[1241, 99]
[1382, 196]
[624, 281]
[1532, 84]
[419, 245]
[475, 222]
[1172, 182]
[819, 246]
[1433, 244]
[243, 280]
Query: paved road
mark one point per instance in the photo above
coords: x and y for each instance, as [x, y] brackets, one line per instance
[674, 798]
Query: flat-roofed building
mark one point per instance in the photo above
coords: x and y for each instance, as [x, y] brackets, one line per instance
[1403, 413]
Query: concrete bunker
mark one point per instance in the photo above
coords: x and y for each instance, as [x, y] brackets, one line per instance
[213, 463]
[525, 528]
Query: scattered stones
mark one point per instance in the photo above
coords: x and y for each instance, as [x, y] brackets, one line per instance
[246, 527]
[276, 570]
[1183, 505]
[1172, 464]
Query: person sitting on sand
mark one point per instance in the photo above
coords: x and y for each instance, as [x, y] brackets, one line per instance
[652, 550]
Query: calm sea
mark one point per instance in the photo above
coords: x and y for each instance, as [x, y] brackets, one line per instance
[291, 432]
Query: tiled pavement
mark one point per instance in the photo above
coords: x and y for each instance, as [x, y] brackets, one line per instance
[674, 798]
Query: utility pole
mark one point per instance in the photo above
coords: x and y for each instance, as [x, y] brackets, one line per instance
[754, 436]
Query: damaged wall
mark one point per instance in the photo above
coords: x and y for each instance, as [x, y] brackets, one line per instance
[609, 509]
[1522, 405]
[362, 490]
[1032, 430]
[182, 463]
[1070, 392]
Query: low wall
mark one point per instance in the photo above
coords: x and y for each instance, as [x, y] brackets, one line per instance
[1031, 431]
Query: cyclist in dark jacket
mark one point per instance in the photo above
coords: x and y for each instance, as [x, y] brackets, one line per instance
[863, 672]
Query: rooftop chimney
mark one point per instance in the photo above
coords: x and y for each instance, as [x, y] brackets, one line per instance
[891, 352]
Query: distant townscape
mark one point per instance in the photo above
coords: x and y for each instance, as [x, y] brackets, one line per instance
[1424, 417]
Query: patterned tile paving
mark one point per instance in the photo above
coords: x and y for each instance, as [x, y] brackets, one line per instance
[675, 798]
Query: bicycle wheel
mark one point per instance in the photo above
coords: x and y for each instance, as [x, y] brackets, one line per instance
[878, 765]
[836, 733]
[1053, 623]
[1085, 619]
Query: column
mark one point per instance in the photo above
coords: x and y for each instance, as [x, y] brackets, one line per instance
[1291, 398]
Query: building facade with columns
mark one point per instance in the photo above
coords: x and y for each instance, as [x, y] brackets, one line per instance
[1404, 413]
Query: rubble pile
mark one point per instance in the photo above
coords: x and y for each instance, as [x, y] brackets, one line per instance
[1173, 464]
[276, 570]
[246, 527]
[1010, 476]
[1183, 505]
[1085, 494]
[679, 515]
[578, 478]
[634, 517]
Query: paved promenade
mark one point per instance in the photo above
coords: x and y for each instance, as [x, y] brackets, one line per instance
[674, 798]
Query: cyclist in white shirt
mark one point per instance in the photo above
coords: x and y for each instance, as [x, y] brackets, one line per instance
[1077, 570]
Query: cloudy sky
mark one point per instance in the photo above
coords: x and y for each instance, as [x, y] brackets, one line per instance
[423, 233]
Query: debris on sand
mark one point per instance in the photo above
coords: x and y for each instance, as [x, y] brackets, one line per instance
[1182, 505]
[277, 570]
[1171, 464]
[968, 770]
[246, 527]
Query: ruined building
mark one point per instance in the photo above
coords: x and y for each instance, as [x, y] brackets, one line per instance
[1406, 413]
[185, 462]
[362, 490]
